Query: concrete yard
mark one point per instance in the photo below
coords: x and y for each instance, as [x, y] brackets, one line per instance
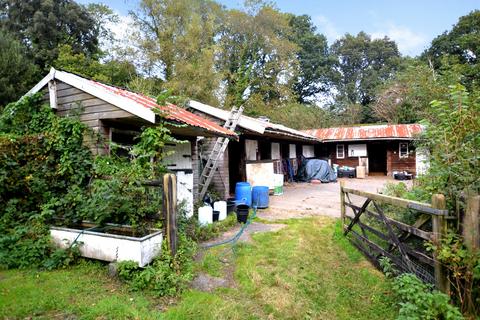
[307, 199]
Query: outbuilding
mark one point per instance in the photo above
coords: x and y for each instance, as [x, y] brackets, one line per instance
[118, 115]
[382, 149]
[264, 148]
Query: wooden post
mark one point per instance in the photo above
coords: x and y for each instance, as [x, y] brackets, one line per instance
[439, 229]
[342, 204]
[170, 210]
[471, 223]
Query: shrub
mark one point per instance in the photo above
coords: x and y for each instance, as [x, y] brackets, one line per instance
[419, 301]
[42, 161]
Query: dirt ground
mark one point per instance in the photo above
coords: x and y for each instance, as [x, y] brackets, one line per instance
[306, 199]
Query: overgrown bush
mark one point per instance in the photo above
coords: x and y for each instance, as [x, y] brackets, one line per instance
[167, 275]
[42, 158]
[418, 300]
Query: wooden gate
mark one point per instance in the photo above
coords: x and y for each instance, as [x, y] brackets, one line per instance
[370, 227]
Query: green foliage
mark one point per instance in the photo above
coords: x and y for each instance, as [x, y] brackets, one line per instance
[406, 98]
[459, 48]
[313, 58]
[43, 159]
[213, 230]
[17, 71]
[44, 25]
[167, 275]
[115, 72]
[360, 66]
[453, 142]
[464, 275]
[419, 301]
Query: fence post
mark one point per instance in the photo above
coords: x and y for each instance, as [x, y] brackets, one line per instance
[439, 228]
[471, 223]
[342, 204]
[170, 210]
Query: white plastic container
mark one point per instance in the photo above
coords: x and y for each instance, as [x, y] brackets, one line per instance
[278, 184]
[222, 207]
[205, 215]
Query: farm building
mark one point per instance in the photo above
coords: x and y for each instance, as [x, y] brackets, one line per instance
[118, 115]
[382, 149]
[263, 149]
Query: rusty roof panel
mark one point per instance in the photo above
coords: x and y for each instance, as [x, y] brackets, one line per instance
[398, 131]
[170, 111]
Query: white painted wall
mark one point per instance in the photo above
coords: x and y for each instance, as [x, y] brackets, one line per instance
[308, 151]
[180, 161]
[292, 151]
[251, 149]
[181, 157]
[276, 151]
[185, 191]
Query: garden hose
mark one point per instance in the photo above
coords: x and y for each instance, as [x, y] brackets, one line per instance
[235, 238]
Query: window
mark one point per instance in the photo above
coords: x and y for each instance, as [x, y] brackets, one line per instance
[340, 151]
[403, 150]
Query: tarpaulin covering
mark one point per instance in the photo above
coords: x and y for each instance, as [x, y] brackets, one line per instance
[316, 169]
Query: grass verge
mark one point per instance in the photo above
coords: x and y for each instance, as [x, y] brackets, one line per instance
[304, 271]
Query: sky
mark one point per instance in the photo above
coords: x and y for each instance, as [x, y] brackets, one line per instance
[412, 24]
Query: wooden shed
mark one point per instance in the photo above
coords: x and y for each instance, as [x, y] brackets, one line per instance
[118, 115]
[383, 149]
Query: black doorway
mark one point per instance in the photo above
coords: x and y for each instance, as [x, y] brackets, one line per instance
[377, 158]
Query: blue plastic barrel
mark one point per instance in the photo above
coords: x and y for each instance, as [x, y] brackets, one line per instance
[260, 196]
[243, 193]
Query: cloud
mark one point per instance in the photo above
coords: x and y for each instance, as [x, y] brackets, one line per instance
[326, 27]
[409, 42]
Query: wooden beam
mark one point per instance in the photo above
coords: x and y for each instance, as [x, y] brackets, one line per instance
[170, 210]
[52, 92]
[400, 225]
[471, 223]
[439, 226]
[342, 202]
[404, 203]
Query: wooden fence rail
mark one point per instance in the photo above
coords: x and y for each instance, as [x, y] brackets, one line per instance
[377, 235]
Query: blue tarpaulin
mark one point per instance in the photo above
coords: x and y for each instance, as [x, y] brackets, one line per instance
[316, 169]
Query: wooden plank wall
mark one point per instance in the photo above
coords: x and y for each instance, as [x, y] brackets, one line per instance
[91, 110]
[395, 163]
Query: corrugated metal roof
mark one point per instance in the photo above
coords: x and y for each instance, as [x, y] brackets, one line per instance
[252, 124]
[170, 111]
[370, 132]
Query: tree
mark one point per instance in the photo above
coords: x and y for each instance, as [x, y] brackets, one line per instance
[406, 98]
[313, 57]
[459, 46]
[43, 25]
[115, 72]
[17, 71]
[256, 58]
[177, 40]
[360, 66]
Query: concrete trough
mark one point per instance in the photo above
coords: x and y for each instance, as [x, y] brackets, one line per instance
[110, 246]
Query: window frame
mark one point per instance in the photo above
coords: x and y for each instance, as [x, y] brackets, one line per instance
[405, 155]
[343, 151]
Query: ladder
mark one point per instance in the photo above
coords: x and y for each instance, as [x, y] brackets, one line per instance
[217, 151]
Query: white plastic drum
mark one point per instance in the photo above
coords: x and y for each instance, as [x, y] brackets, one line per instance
[205, 215]
[222, 207]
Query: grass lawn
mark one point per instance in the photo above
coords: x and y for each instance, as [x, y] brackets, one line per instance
[304, 271]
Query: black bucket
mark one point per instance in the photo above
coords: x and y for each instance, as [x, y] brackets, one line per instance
[216, 214]
[231, 204]
[242, 213]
